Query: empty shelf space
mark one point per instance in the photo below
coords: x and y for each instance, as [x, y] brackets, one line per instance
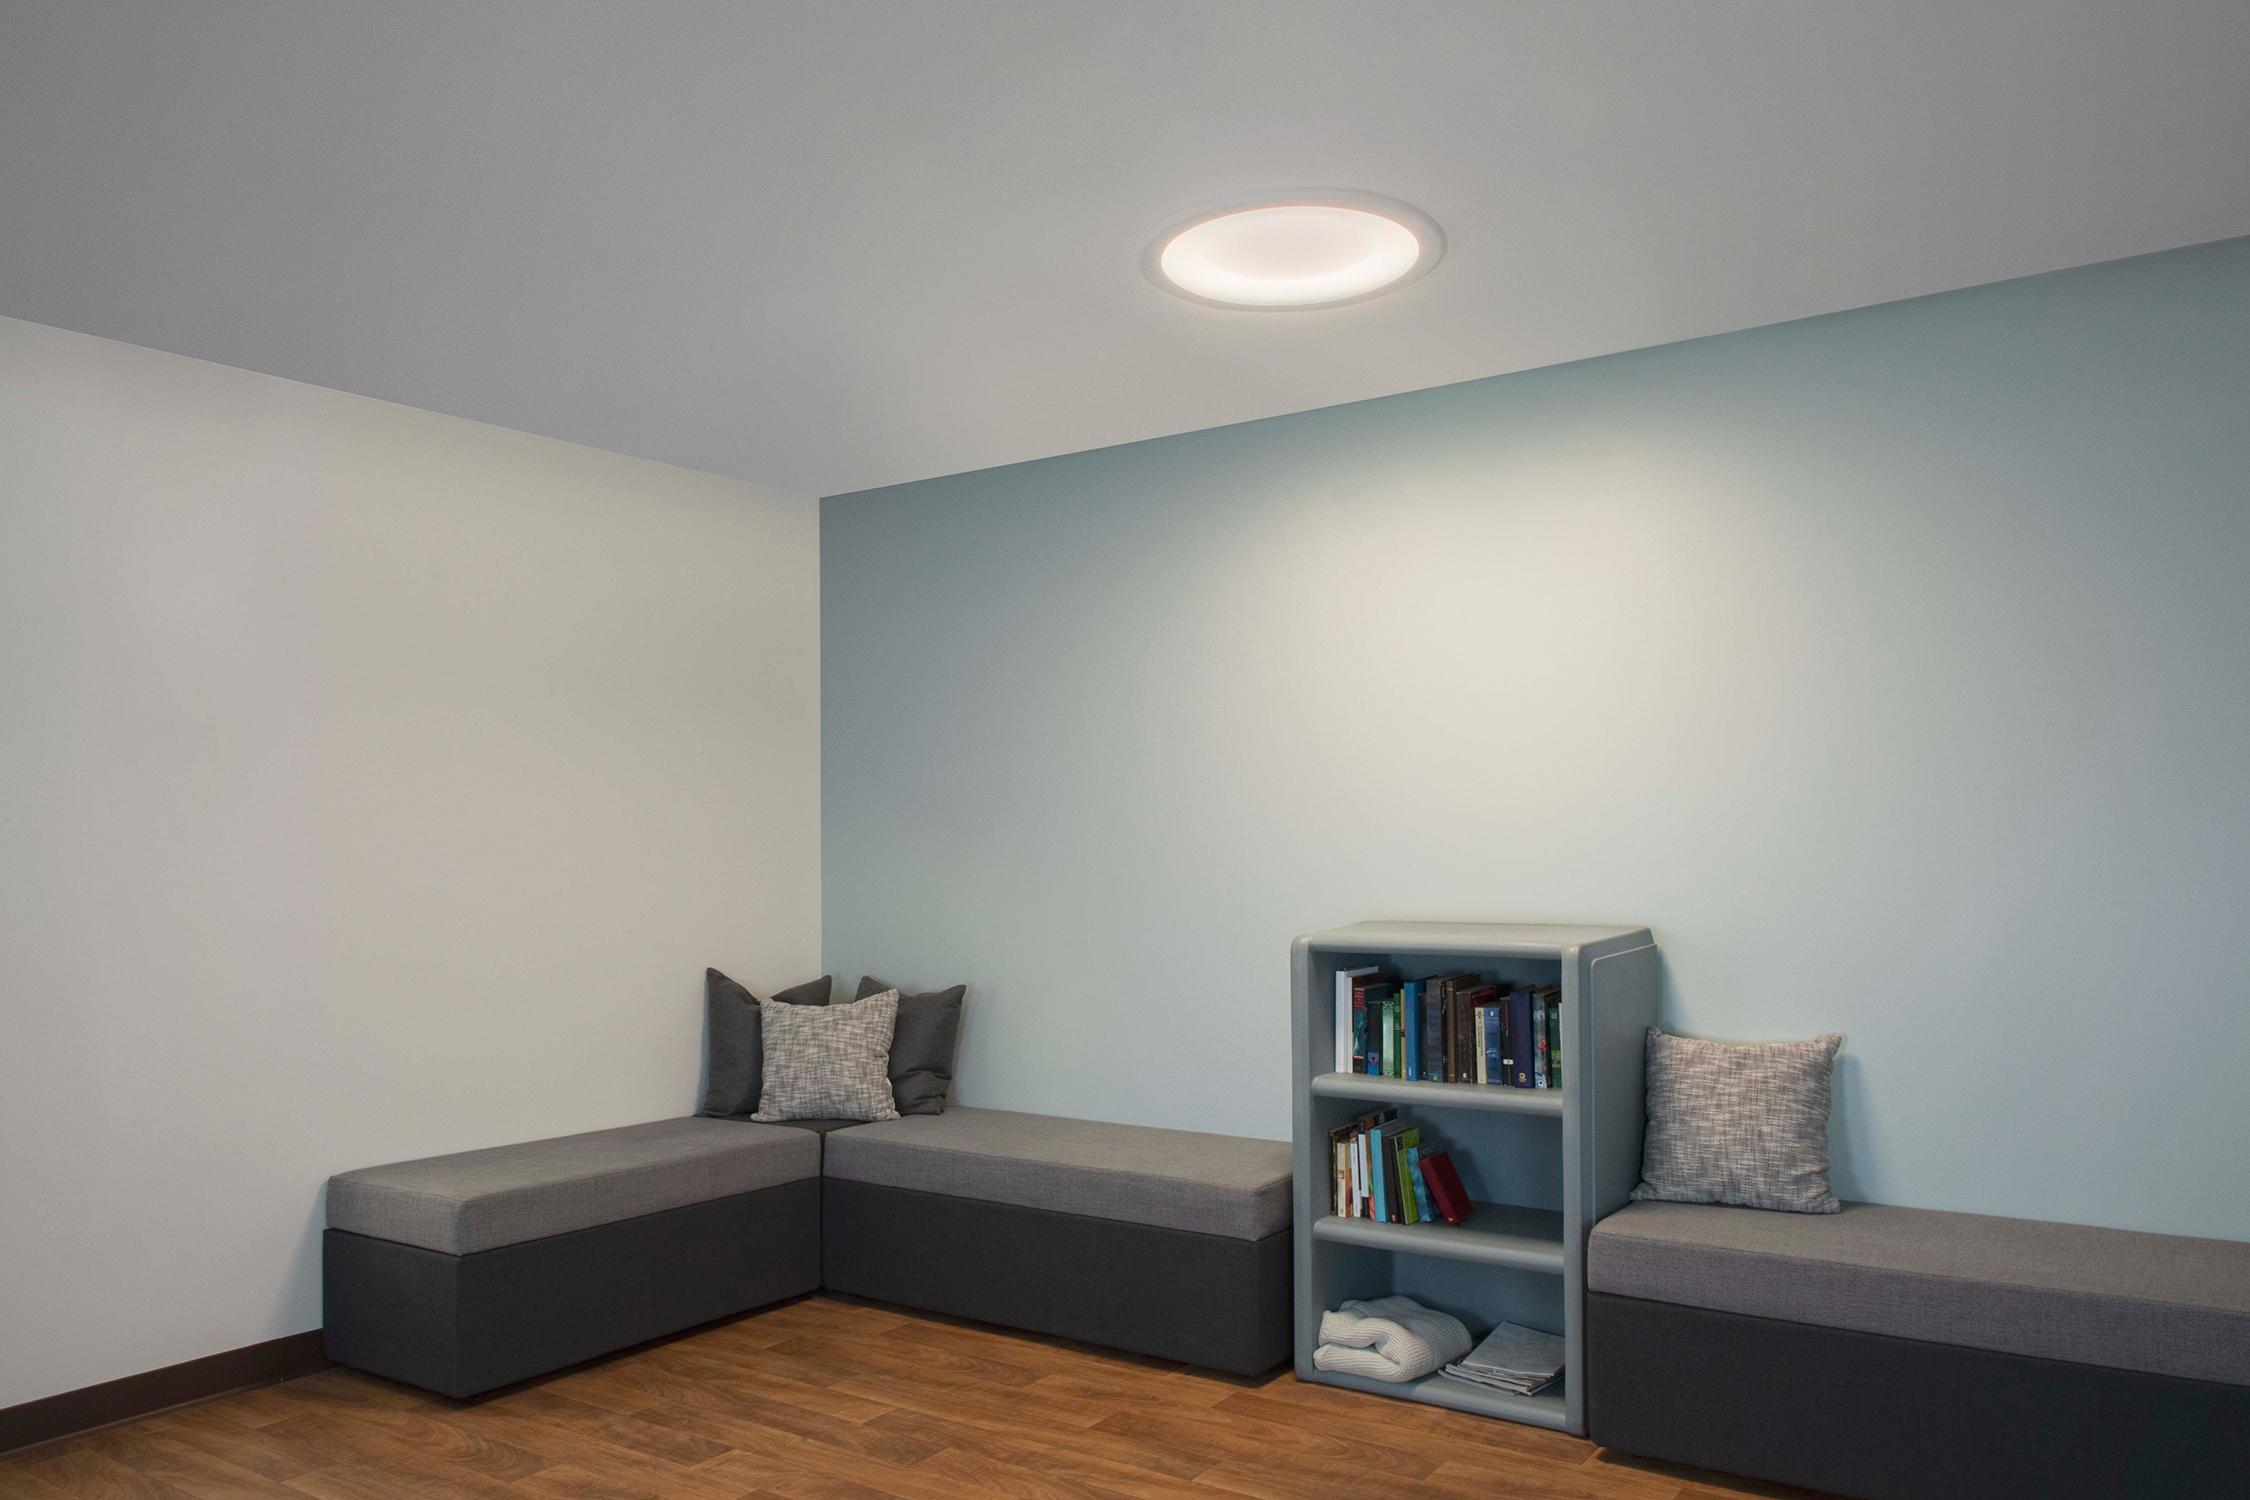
[1497, 1234]
[1423, 1094]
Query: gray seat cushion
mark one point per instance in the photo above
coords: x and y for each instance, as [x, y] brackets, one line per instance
[2161, 1303]
[1178, 1179]
[480, 1200]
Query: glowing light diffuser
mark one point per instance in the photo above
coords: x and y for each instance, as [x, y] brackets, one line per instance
[1293, 250]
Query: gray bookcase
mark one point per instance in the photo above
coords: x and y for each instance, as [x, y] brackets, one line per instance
[1543, 1164]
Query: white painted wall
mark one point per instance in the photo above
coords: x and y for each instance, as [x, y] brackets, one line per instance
[1893, 666]
[372, 784]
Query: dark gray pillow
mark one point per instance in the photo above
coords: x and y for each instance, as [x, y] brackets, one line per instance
[731, 1033]
[1740, 1123]
[922, 1045]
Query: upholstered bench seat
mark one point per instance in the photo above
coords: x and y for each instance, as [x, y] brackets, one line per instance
[464, 1272]
[2163, 1303]
[1180, 1179]
[504, 1195]
[1166, 1242]
[1913, 1354]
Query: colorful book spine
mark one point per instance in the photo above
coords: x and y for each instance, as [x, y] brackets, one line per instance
[1364, 1184]
[1539, 1077]
[1373, 1128]
[1410, 1005]
[1554, 1042]
[1340, 1171]
[1478, 1019]
[1393, 1145]
[1375, 1172]
[1464, 1042]
[1359, 1028]
[1402, 1164]
[1422, 1205]
[1366, 1180]
[1507, 1048]
[1445, 1031]
[1386, 1051]
[1520, 1022]
[1457, 1057]
[1554, 1050]
[1433, 1037]
[1495, 1022]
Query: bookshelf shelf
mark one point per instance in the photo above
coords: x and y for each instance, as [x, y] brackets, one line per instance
[1495, 1234]
[1543, 1164]
[1404, 1091]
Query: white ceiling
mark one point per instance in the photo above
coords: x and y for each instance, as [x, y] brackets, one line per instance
[837, 244]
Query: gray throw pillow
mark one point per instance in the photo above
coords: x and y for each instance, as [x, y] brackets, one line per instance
[1740, 1123]
[731, 1035]
[929, 1027]
[828, 1062]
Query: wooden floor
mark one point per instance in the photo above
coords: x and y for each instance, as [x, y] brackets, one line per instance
[829, 1398]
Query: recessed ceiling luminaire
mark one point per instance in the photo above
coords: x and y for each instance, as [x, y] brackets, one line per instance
[1277, 251]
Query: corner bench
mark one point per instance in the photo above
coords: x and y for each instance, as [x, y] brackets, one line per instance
[1911, 1354]
[467, 1272]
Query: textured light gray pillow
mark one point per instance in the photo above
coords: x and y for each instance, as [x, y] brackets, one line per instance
[1738, 1122]
[828, 1062]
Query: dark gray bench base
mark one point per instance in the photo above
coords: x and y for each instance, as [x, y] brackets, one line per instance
[1883, 1418]
[464, 1324]
[1204, 1299]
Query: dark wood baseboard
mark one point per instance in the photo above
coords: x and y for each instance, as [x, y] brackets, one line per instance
[141, 1395]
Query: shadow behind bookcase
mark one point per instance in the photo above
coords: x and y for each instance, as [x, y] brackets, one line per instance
[1543, 1165]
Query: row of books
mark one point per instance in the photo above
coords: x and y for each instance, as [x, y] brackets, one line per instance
[1384, 1170]
[1454, 1028]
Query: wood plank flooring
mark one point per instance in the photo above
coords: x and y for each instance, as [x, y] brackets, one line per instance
[831, 1398]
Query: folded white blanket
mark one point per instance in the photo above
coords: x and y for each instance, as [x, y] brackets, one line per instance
[1389, 1338]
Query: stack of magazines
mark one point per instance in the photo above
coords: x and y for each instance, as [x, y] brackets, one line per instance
[1522, 1361]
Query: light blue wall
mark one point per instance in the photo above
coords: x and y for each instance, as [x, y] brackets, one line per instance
[1893, 666]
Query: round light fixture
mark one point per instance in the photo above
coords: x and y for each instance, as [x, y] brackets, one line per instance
[1278, 251]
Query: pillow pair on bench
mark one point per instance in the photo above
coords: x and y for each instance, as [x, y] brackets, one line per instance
[794, 1056]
